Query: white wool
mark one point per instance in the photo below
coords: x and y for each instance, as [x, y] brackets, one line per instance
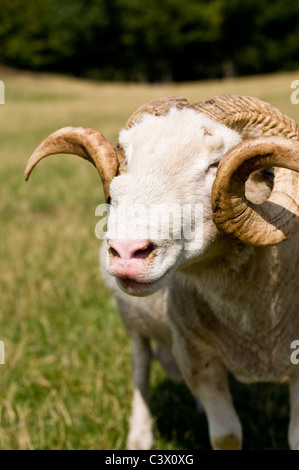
[182, 132]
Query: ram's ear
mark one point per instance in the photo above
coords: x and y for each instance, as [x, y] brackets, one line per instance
[213, 140]
[208, 132]
[121, 159]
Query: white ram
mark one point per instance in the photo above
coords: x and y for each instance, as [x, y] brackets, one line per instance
[227, 298]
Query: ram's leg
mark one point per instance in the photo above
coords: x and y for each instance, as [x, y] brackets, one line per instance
[294, 418]
[207, 380]
[140, 433]
[224, 425]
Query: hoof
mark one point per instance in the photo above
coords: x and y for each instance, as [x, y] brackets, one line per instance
[227, 442]
[141, 440]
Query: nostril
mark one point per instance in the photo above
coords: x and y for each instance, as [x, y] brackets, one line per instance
[130, 249]
[144, 253]
[113, 252]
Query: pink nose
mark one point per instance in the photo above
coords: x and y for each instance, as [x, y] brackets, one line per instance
[130, 249]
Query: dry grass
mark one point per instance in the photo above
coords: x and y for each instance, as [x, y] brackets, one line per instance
[65, 384]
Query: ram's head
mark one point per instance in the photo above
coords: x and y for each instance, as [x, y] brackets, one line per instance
[185, 177]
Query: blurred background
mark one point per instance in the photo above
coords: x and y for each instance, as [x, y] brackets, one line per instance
[66, 382]
[151, 41]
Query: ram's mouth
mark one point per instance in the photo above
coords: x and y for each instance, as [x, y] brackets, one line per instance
[143, 288]
[138, 288]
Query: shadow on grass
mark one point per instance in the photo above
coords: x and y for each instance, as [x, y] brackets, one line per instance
[262, 408]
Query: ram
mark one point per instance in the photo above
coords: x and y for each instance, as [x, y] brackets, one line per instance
[222, 296]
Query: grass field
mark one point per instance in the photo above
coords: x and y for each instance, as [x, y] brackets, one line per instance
[67, 383]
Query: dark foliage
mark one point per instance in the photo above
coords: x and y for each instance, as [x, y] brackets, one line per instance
[151, 41]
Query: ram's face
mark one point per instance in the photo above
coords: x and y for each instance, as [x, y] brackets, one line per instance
[161, 213]
[160, 217]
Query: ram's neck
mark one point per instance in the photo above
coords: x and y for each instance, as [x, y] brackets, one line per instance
[243, 283]
[224, 258]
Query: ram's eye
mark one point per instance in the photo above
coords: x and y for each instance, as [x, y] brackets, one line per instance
[213, 165]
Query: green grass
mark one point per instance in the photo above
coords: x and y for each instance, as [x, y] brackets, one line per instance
[67, 382]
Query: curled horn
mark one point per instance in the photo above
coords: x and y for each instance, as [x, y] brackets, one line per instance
[271, 140]
[276, 219]
[84, 142]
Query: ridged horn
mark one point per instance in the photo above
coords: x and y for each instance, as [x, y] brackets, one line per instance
[249, 116]
[268, 223]
[85, 142]
[252, 117]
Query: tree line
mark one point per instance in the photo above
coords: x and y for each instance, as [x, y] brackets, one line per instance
[152, 40]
